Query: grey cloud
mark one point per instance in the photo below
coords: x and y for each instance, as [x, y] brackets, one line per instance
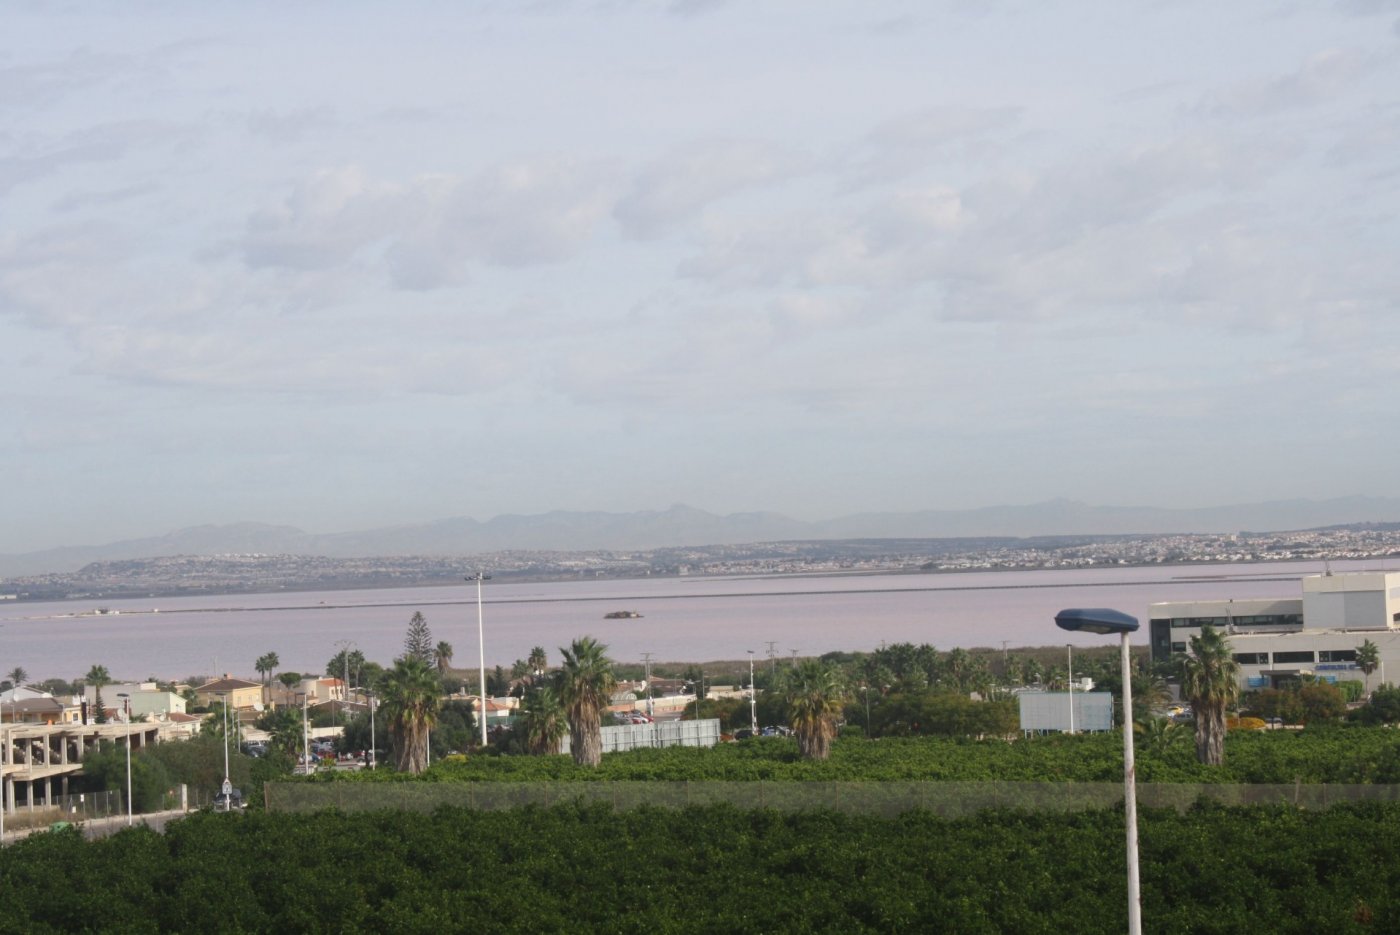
[678, 185]
[910, 144]
[1321, 78]
[78, 200]
[290, 126]
[101, 143]
[430, 229]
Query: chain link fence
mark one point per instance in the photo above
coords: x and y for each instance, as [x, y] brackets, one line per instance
[874, 798]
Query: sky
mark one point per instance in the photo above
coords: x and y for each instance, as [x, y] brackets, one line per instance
[343, 265]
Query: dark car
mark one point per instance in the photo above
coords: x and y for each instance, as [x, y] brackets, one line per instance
[228, 803]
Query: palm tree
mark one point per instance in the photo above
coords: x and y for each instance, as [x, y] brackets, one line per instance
[543, 721]
[442, 655]
[412, 696]
[267, 664]
[586, 684]
[1368, 660]
[98, 676]
[1156, 734]
[537, 660]
[17, 676]
[1210, 682]
[814, 697]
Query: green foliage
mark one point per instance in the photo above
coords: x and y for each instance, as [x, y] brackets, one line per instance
[105, 768]
[932, 713]
[1314, 755]
[1383, 708]
[418, 641]
[456, 729]
[412, 697]
[585, 685]
[1213, 869]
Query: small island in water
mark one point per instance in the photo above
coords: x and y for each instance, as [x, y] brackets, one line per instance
[621, 615]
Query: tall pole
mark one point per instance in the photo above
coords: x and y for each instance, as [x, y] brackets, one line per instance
[126, 707]
[1130, 796]
[225, 737]
[753, 699]
[1069, 655]
[481, 643]
[646, 658]
[305, 736]
[370, 696]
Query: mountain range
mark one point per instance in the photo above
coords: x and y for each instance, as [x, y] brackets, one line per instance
[682, 525]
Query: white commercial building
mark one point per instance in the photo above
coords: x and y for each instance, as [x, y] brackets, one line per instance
[1277, 640]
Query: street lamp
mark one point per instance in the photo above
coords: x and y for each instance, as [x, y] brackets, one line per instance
[1105, 621]
[369, 696]
[126, 706]
[753, 700]
[481, 642]
[1069, 681]
[305, 736]
[228, 786]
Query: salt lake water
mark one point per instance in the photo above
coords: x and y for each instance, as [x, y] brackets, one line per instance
[692, 619]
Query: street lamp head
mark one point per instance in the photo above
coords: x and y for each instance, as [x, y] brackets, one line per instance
[1096, 620]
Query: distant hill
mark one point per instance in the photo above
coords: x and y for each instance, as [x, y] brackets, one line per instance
[683, 525]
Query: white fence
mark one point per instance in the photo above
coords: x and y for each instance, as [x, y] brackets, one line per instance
[1045, 711]
[656, 734]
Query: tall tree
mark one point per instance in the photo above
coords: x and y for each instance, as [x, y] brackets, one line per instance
[543, 720]
[418, 641]
[442, 655]
[586, 684]
[18, 676]
[1210, 682]
[1368, 660]
[266, 664]
[411, 696]
[97, 676]
[814, 697]
[537, 660]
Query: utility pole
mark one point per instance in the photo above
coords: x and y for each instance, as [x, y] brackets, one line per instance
[344, 646]
[646, 659]
[753, 698]
[772, 656]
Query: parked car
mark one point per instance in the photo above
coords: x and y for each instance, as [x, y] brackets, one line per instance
[231, 802]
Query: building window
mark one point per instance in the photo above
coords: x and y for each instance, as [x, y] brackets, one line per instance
[1336, 655]
[1295, 656]
[1178, 647]
[1252, 659]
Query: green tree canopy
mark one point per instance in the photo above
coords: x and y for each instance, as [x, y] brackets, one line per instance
[1210, 682]
[586, 684]
[412, 696]
[815, 695]
[418, 641]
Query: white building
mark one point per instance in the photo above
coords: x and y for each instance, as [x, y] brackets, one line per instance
[1277, 640]
[145, 698]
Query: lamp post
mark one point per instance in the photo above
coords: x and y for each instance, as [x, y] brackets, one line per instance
[126, 707]
[1105, 621]
[305, 737]
[369, 696]
[226, 781]
[481, 643]
[753, 699]
[1069, 681]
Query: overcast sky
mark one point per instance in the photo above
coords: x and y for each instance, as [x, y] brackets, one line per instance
[342, 265]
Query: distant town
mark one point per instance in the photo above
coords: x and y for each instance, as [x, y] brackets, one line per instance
[257, 572]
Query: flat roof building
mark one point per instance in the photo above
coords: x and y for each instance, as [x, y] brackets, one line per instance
[1277, 640]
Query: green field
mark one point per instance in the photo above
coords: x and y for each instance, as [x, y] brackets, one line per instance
[718, 869]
